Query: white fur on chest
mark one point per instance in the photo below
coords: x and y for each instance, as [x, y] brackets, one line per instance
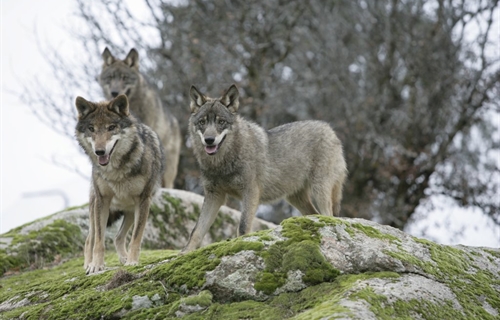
[124, 193]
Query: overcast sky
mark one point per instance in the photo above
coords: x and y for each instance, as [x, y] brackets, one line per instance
[28, 146]
[32, 186]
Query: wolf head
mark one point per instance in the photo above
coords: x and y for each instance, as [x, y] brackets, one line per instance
[212, 119]
[120, 76]
[101, 125]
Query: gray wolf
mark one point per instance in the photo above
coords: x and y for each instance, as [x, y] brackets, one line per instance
[123, 77]
[127, 165]
[239, 158]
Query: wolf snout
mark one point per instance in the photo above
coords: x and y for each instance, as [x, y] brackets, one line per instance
[100, 152]
[209, 140]
[114, 94]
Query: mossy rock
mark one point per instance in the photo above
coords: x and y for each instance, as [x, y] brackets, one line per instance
[344, 268]
[50, 240]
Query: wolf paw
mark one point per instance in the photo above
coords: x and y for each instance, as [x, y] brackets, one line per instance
[132, 263]
[123, 260]
[92, 268]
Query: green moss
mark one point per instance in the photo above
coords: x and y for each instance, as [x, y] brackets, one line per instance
[494, 253]
[402, 309]
[40, 248]
[454, 267]
[189, 270]
[301, 228]
[321, 301]
[299, 252]
[9, 262]
[374, 233]
[65, 291]
[239, 310]
[268, 282]
[203, 299]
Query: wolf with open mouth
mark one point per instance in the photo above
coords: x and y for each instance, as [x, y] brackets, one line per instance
[300, 161]
[128, 162]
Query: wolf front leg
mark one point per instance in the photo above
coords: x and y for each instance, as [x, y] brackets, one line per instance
[211, 205]
[101, 214]
[140, 219]
[121, 249]
[89, 243]
[251, 198]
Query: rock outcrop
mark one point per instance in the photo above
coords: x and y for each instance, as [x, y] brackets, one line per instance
[311, 267]
[173, 215]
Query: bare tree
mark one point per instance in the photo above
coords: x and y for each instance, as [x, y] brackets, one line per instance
[403, 84]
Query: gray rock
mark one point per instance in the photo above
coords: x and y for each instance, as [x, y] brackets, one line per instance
[311, 267]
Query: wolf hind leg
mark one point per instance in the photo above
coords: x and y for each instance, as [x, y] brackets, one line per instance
[302, 201]
[121, 249]
[171, 170]
[172, 161]
[140, 218]
[322, 194]
[336, 198]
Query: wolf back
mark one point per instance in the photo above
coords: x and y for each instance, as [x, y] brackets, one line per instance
[239, 158]
[127, 165]
[123, 77]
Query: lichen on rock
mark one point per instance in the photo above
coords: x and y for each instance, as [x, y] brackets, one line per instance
[312, 267]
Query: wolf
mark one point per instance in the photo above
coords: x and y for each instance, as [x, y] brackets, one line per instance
[128, 162]
[239, 158]
[123, 77]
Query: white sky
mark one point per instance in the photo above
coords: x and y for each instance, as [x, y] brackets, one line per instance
[27, 146]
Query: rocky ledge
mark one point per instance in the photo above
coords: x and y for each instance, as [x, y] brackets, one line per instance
[311, 267]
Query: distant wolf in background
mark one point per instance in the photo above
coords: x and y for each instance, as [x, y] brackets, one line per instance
[127, 165]
[241, 159]
[123, 77]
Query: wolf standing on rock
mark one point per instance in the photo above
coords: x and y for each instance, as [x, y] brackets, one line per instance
[123, 77]
[127, 165]
[241, 159]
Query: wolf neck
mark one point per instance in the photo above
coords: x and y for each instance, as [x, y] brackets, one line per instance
[143, 100]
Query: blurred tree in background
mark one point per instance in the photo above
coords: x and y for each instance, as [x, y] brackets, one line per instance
[411, 87]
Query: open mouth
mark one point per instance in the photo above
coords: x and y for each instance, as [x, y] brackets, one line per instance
[211, 150]
[104, 160]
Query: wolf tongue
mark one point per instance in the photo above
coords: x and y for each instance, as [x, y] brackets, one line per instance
[210, 149]
[103, 160]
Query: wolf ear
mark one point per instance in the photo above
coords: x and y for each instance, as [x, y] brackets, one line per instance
[107, 57]
[120, 105]
[132, 59]
[197, 99]
[231, 99]
[83, 107]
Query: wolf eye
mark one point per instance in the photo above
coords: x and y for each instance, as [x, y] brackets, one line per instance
[221, 122]
[111, 127]
[91, 128]
[201, 122]
[125, 77]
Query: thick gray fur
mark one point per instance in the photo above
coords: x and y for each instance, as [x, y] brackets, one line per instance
[127, 166]
[123, 77]
[239, 158]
